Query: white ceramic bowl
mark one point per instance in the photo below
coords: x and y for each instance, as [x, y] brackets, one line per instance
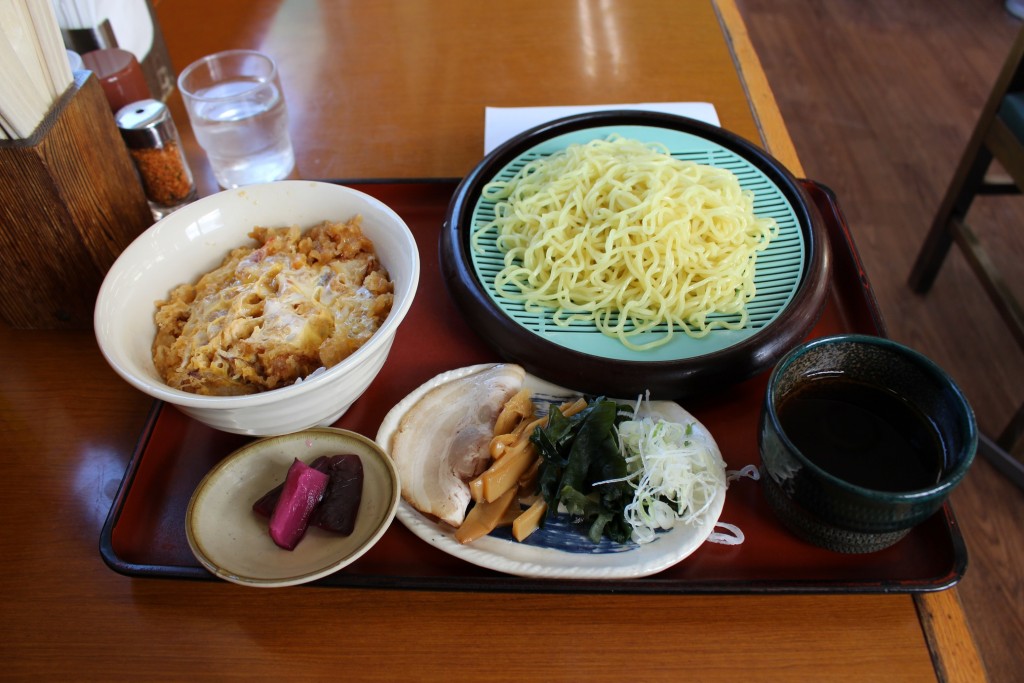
[193, 240]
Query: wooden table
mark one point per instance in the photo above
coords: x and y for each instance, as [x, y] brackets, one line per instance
[397, 88]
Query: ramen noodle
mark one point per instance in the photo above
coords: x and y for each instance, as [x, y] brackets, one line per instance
[273, 313]
[621, 233]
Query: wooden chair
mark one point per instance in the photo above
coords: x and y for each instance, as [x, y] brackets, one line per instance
[999, 135]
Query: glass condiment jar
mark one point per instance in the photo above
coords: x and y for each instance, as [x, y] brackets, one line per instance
[153, 143]
[120, 74]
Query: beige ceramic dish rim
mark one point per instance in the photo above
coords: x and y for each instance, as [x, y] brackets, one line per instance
[241, 506]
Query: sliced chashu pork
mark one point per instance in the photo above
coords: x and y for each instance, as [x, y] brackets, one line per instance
[442, 441]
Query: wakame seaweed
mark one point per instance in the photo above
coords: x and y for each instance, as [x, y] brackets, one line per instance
[577, 451]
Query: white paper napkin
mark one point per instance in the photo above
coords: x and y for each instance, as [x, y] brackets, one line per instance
[502, 123]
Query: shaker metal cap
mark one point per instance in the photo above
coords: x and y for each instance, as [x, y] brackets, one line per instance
[146, 123]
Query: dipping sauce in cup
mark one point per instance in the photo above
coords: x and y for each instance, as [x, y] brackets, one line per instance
[861, 439]
[863, 434]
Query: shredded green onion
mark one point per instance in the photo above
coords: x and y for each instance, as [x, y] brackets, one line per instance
[676, 473]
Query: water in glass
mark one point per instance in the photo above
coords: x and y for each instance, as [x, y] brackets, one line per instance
[246, 139]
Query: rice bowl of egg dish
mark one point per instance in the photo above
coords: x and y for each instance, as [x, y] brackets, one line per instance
[246, 384]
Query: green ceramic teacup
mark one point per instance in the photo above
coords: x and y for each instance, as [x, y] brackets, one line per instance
[861, 439]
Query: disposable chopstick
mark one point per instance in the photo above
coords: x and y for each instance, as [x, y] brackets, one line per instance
[51, 45]
[34, 69]
[22, 104]
[18, 33]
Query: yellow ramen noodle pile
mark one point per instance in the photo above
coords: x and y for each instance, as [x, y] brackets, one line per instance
[619, 232]
[273, 313]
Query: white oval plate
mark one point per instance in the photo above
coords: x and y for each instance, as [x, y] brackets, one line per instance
[233, 542]
[556, 551]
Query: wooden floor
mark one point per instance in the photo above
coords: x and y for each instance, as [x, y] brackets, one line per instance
[880, 98]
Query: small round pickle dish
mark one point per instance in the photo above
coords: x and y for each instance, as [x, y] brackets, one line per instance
[791, 276]
[558, 550]
[233, 542]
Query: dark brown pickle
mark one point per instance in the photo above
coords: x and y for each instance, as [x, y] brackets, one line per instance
[339, 508]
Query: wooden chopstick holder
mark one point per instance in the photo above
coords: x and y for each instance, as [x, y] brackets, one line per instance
[70, 202]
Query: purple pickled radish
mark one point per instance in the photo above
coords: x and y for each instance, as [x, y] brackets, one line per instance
[340, 505]
[303, 489]
[266, 504]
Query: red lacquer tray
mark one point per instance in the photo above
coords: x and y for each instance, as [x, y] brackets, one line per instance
[144, 534]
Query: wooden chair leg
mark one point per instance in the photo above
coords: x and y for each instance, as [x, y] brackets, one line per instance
[1013, 432]
[970, 174]
[1007, 465]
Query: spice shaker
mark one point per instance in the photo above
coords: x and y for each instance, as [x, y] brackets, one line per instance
[153, 143]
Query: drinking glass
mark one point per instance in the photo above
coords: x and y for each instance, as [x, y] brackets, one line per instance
[238, 113]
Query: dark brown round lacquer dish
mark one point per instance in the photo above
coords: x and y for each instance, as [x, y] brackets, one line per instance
[672, 379]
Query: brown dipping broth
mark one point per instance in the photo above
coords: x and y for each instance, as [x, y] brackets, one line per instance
[864, 434]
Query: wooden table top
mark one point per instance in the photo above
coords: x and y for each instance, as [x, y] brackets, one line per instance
[397, 89]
